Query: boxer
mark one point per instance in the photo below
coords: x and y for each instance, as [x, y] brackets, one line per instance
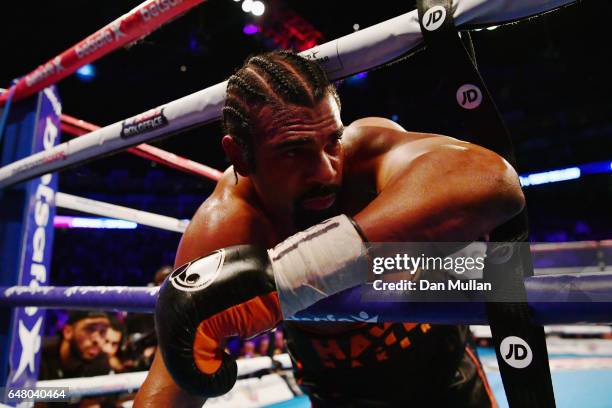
[294, 165]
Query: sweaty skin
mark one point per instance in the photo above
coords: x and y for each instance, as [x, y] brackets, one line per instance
[397, 185]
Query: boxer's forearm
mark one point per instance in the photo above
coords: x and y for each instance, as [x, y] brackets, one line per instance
[159, 390]
[447, 194]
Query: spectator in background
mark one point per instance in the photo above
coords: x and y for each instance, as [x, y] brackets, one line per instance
[78, 351]
[263, 347]
[279, 341]
[248, 349]
[114, 340]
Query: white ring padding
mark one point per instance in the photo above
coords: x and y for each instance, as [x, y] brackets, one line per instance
[555, 329]
[248, 366]
[101, 384]
[348, 55]
[90, 206]
[106, 384]
[561, 246]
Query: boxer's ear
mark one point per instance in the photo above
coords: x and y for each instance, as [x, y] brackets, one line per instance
[236, 155]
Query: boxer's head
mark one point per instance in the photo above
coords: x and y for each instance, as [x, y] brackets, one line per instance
[282, 119]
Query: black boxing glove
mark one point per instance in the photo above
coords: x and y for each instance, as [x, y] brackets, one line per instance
[243, 290]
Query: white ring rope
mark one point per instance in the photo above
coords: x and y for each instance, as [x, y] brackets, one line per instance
[90, 206]
[106, 384]
[353, 53]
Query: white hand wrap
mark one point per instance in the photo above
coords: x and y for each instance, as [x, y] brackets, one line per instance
[318, 262]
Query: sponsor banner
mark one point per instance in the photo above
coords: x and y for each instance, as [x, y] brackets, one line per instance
[132, 26]
[37, 239]
[150, 120]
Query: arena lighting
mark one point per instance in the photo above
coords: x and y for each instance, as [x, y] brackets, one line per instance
[64, 221]
[285, 29]
[250, 29]
[86, 72]
[247, 6]
[357, 78]
[552, 176]
[490, 28]
[596, 167]
[570, 173]
[258, 8]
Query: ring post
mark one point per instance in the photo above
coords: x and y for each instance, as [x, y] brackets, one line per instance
[26, 233]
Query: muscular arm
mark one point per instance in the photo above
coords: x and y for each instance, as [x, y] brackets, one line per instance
[207, 232]
[434, 188]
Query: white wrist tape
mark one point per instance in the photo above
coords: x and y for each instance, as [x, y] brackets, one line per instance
[318, 262]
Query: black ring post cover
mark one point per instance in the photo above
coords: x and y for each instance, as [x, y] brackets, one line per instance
[527, 384]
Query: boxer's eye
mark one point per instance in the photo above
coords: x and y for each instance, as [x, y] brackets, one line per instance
[293, 148]
[292, 153]
[334, 143]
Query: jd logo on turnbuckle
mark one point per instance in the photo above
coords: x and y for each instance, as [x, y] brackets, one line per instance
[434, 18]
[469, 96]
[516, 352]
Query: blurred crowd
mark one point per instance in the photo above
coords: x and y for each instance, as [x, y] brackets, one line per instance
[93, 343]
[98, 343]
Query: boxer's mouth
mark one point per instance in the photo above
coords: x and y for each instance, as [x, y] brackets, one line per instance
[319, 203]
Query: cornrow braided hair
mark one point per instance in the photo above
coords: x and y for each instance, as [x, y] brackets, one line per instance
[276, 78]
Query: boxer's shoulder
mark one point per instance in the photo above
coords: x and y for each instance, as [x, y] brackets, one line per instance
[370, 138]
[369, 143]
[226, 218]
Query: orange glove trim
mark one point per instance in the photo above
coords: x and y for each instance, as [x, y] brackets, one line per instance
[246, 320]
